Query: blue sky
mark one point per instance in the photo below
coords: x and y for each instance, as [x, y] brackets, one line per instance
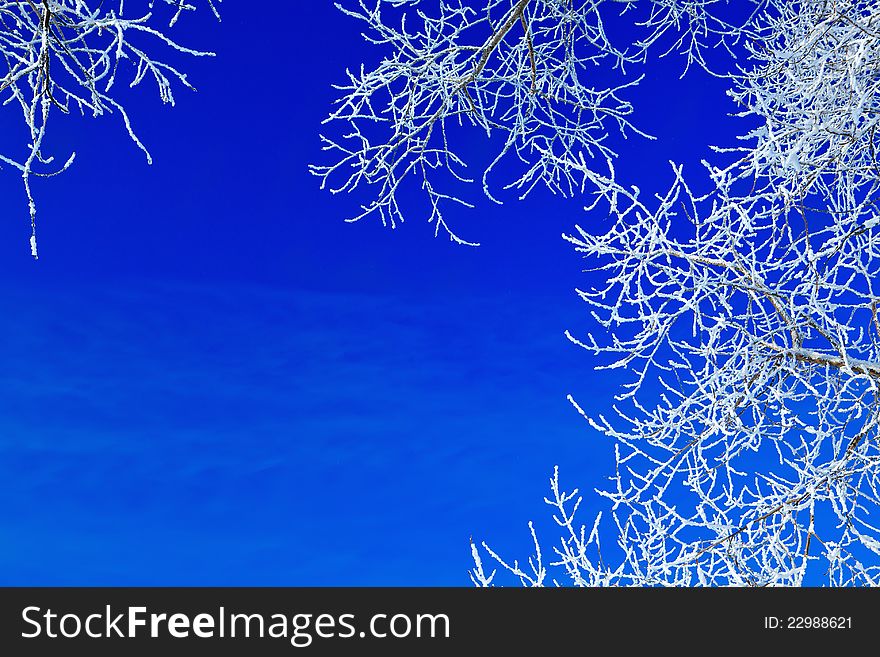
[210, 378]
[168, 432]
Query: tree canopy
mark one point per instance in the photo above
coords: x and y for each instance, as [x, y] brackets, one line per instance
[746, 442]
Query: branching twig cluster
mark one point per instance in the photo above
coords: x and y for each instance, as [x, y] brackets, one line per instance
[525, 73]
[67, 55]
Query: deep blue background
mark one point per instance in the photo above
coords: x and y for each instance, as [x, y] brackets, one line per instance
[209, 378]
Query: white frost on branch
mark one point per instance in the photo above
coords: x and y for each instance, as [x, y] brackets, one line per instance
[66, 55]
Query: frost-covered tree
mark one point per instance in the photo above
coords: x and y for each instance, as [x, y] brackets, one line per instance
[746, 443]
[63, 56]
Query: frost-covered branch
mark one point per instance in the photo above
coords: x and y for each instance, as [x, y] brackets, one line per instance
[67, 55]
[520, 73]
